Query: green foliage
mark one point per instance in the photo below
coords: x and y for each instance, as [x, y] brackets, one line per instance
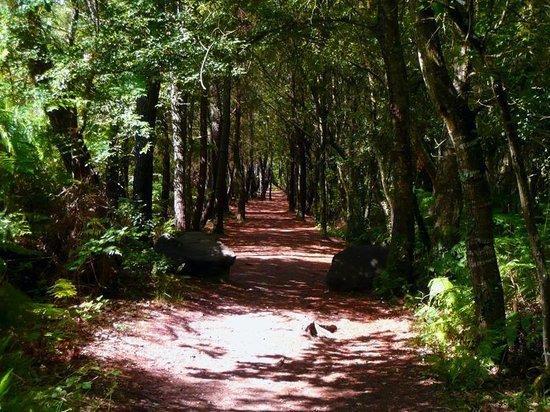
[5, 381]
[12, 226]
[38, 328]
[462, 354]
[63, 289]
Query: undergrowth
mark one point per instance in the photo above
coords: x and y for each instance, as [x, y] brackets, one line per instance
[467, 358]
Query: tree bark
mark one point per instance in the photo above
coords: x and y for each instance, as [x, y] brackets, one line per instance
[516, 157]
[166, 171]
[203, 161]
[302, 192]
[460, 123]
[178, 108]
[221, 179]
[398, 158]
[239, 168]
[292, 178]
[113, 171]
[144, 148]
[322, 111]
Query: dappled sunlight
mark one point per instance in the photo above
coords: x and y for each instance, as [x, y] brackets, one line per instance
[242, 344]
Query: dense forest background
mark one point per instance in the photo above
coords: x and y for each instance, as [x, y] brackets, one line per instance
[420, 125]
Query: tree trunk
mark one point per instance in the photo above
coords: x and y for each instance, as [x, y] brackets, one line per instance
[64, 119]
[239, 168]
[398, 157]
[514, 147]
[215, 109]
[221, 179]
[144, 148]
[302, 193]
[188, 185]
[528, 210]
[69, 141]
[203, 161]
[166, 171]
[291, 187]
[113, 171]
[448, 200]
[178, 108]
[460, 123]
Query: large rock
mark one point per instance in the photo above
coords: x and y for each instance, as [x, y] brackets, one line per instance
[356, 267]
[197, 254]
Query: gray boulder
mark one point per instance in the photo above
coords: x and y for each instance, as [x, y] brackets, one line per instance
[356, 267]
[196, 254]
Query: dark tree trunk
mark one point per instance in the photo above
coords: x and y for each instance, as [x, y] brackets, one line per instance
[203, 161]
[188, 186]
[291, 185]
[144, 148]
[302, 193]
[460, 123]
[63, 120]
[221, 179]
[125, 165]
[322, 111]
[448, 200]
[215, 144]
[528, 210]
[178, 108]
[399, 177]
[264, 177]
[166, 172]
[514, 147]
[69, 141]
[239, 168]
[113, 171]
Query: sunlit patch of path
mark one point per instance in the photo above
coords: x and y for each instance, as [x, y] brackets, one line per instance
[241, 345]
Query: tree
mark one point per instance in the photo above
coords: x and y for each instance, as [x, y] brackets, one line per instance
[460, 123]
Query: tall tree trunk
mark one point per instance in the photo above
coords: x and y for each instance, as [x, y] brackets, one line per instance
[446, 190]
[239, 168]
[398, 157]
[188, 185]
[292, 178]
[528, 210]
[460, 123]
[215, 131]
[514, 147]
[144, 148]
[113, 182]
[302, 198]
[68, 137]
[448, 199]
[69, 141]
[178, 108]
[264, 177]
[166, 172]
[221, 179]
[203, 161]
[322, 110]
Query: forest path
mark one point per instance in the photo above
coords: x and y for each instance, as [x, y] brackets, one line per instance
[242, 345]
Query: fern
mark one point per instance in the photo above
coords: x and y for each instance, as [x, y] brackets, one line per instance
[63, 289]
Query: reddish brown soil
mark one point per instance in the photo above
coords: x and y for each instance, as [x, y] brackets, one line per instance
[241, 345]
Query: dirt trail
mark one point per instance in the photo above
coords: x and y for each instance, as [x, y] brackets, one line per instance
[241, 345]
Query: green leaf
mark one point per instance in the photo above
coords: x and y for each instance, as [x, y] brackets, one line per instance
[439, 286]
[5, 383]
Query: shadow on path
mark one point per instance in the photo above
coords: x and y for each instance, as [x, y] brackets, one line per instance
[241, 344]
